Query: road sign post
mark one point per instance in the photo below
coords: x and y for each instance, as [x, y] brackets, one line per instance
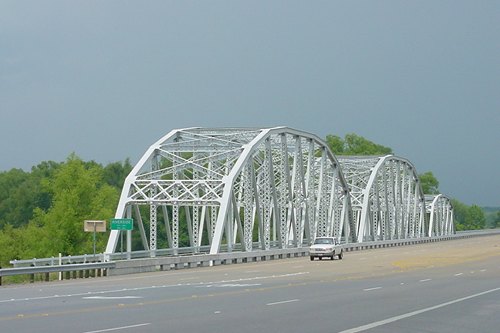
[94, 226]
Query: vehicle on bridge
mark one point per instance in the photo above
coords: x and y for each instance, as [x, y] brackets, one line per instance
[326, 247]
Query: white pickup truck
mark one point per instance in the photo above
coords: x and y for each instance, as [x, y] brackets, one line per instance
[326, 247]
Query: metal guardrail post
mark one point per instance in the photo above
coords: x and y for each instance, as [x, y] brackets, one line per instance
[47, 275]
[32, 276]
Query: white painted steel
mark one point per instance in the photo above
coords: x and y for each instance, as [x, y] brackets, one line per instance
[440, 211]
[255, 189]
[236, 188]
[386, 197]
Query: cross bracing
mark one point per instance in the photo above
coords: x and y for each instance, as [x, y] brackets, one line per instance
[440, 213]
[386, 196]
[247, 189]
[235, 188]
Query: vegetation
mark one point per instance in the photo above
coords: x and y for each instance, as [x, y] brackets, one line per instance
[429, 183]
[492, 217]
[466, 217]
[42, 211]
[353, 144]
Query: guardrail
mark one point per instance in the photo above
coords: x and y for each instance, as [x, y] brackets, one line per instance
[86, 270]
[203, 260]
[101, 257]
[149, 264]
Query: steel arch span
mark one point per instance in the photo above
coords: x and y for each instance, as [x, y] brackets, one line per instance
[440, 211]
[235, 188]
[386, 196]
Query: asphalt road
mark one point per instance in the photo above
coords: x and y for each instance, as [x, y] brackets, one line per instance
[451, 286]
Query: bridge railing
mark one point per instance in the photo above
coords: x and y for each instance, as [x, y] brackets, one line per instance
[101, 257]
[164, 263]
[71, 270]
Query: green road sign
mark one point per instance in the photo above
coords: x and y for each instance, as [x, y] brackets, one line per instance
[122, 224]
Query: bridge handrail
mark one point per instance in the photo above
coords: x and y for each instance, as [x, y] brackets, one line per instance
[100, 257]
[204, 259]
[55, 269]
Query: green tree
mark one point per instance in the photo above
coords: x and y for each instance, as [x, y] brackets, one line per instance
[78, 194]
[429, 183]
[9, 243]
[336, 144]
[114, 174]
[475, 218]
[355, 145]
[468, 217]
[459, 212]
[11, 211]
[21, 192]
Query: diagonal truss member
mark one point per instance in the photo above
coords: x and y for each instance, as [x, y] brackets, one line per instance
[235, 188]
[386, 196]
[440, 211]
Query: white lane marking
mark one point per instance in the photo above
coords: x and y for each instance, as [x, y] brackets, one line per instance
[483, 270]
[118, 328]
[112, 297]
[425, 280]
[283, 302]
[458, 274]
[370, 289]
[88, 293]
[414, 313]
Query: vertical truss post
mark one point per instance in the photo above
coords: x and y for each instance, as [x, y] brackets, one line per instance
[283, 189]
[247, 208]
[274, 196]
[153, 210]
[310, 194]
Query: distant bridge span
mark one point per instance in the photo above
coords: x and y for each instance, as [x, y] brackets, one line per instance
[245, 189]
[388, 202]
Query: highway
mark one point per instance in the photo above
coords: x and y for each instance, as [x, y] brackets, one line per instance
[451, 286]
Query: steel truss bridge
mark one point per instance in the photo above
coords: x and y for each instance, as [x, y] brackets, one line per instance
[247, 189]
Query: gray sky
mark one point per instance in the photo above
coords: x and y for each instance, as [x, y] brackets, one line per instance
[105, 79]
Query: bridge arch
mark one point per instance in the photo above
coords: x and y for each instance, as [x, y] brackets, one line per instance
[440, 211]
[234, 188]
[386, 196]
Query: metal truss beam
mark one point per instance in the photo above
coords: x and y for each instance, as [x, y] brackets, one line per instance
[386, 197]
[245, 189]
[236, 188]
[440, 212]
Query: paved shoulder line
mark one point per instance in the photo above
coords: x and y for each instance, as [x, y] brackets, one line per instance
[414, 313]
[283, 302]
[223, 283]
[119, 328]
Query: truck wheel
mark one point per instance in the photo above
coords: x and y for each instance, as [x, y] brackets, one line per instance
[312, 258]
[341, 255]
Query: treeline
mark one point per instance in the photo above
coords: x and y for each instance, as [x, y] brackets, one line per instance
[466, 217]
[42, 211]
